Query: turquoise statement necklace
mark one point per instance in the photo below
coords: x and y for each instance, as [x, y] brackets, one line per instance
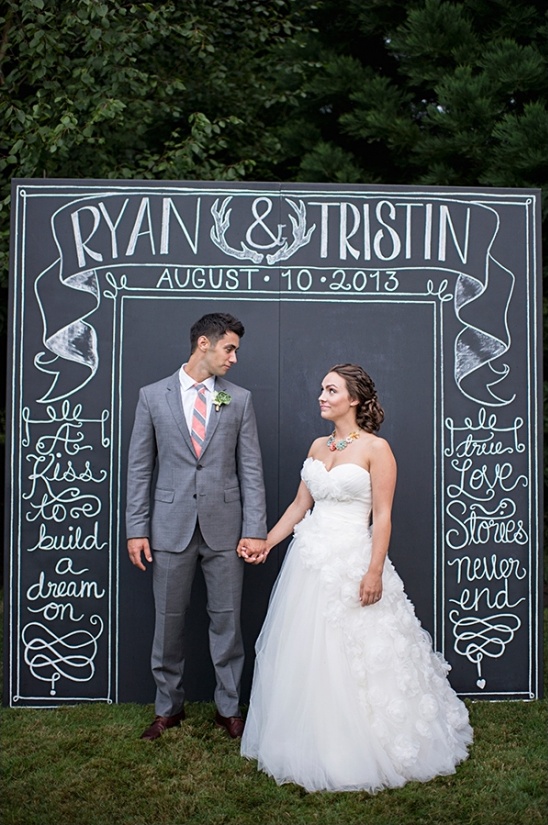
[343, 443]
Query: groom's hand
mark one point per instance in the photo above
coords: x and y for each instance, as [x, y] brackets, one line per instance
[253, 551]
[137, 546]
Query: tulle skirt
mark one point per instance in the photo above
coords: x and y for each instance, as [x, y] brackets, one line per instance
[346, 697]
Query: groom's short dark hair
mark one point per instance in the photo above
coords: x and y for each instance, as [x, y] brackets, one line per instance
[214, 326]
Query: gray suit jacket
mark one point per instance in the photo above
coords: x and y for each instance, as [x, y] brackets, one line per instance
[223, 489]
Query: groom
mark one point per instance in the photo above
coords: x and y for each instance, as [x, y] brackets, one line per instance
[198, 432]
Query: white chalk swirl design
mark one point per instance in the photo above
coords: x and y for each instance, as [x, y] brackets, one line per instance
[476, 637]
[51, 657]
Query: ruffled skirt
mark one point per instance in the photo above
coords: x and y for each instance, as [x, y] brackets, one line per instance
[346, 697]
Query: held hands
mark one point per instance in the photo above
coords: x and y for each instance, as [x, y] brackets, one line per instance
[370, 588]
[253, 551]
[137, 546]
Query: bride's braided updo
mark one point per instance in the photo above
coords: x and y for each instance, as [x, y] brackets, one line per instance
[369, 413]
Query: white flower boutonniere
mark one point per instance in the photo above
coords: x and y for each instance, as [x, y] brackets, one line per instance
[221, 398]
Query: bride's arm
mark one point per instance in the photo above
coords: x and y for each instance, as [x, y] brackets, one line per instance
[382, 468]
[296, 511]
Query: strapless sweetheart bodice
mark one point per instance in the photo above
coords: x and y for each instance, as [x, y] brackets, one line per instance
[343, 492]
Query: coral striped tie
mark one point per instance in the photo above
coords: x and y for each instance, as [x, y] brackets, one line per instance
[199, 420]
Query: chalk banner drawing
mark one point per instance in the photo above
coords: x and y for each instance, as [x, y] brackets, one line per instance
[83, 250]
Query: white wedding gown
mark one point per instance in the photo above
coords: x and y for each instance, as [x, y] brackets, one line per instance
[347, 697]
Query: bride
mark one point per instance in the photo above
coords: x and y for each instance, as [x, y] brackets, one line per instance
[347, 692]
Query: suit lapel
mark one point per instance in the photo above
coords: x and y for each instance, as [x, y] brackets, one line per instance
[173, 396]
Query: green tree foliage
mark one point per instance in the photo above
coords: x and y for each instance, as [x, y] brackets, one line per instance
[424, 91]
[92, 89]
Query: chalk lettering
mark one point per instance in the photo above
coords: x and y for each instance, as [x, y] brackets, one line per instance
[493, 568]
[475, 480]
[479, 436]
[477, 525]
[215, 278]
[84, 589]
[471, 599]
[392, 230]
[75, 539]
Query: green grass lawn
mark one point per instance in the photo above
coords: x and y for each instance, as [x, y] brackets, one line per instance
[85, 765]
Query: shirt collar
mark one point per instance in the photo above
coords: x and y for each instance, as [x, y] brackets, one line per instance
[187, 382]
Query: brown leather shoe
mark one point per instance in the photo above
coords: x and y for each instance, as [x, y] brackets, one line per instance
[233, 724]
[161, 723]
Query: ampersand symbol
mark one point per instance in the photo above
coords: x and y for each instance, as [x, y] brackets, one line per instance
[259, 221]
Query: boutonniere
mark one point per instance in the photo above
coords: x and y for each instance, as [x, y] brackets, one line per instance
[221, 398]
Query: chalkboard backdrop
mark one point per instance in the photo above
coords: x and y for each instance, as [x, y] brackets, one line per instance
[434, 291]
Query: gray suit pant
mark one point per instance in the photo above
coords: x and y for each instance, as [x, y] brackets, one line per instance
[173, 574]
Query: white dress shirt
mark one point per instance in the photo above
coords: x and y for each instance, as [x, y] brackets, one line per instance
[188, 395]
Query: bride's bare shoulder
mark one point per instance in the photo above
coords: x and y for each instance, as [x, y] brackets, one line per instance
[379, 450]
[316, 447]
[372, 450]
